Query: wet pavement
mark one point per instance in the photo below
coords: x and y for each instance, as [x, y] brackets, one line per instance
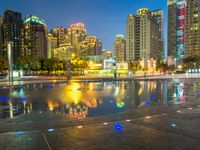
[163, 115]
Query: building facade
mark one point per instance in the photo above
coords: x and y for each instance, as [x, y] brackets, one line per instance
[177, 29]
[52, 44]
[130, 38]
[106, 54]
[120, 48]
[12, 28]
[171, 34]
[193, 28]
[144, 35]
[1, 36]
[76, 33]
[63, 52]
[91, 47]
[35, 37]
[158, 16]
[59, 33]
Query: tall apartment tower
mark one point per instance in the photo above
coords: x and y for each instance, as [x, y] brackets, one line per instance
[76, 33]
[35, 37]
[59, 33]
[119, 48]
[144, 32]
[12, 28]
[193, 28]
[130, 38]
[158, 16]
[1, 36]
[177, 29]
[171, 44]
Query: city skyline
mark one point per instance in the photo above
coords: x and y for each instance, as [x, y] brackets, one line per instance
[102, 18]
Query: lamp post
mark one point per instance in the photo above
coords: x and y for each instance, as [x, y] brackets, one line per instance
[10, 62]
[145, 64]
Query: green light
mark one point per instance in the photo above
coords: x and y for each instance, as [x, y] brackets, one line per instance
[120, 36]
[34, 19]
[120, 104]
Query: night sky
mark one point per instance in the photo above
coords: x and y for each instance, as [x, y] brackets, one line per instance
[103, 18]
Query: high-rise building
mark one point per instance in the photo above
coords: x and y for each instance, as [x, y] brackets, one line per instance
[76, 33]
[12, 28]
[130, 38]
[176, 29]
[59, 33]
[52, 44]
[35, 37]
[144, 35]
[63, 52]
[193, 28]
[171, 44]
[158, 15]
[119, 48]
[91, 47]
[1, 36]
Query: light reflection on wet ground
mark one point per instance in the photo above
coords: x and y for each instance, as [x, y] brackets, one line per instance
[89, 99]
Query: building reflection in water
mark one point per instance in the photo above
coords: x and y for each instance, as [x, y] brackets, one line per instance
[179, 96]
[79, 100]
[15, 104]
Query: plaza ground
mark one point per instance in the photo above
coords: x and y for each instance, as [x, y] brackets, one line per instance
[169, 127]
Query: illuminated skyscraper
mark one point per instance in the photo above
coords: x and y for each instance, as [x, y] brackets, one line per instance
[35, 37]
[119, 48]
[1, 36]
[12, 28]
[158, 15]
[130, 38]
[59, 33]
[144, 35]
[171, 44]
[181, 29]
[193, 28]
[176, 29]
[76, 33]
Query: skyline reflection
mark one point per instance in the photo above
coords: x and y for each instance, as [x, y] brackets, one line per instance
[87, 99]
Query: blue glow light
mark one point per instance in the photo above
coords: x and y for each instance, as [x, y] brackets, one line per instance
[29, 139]
[50, 130]
[147, 103]
[23, 99]
[50, 86]
[20, 132]
[153, 96]
[3, 98]
[118, 127]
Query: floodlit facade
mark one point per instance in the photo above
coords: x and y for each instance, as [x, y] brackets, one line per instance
[12, 28]
[119, 48]
[193, 28]
[91, 47]
[52, 44]
[35, 37]
[144, 35]
[177, 29]
[63, 52]
[76, 33]
[59, 33]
